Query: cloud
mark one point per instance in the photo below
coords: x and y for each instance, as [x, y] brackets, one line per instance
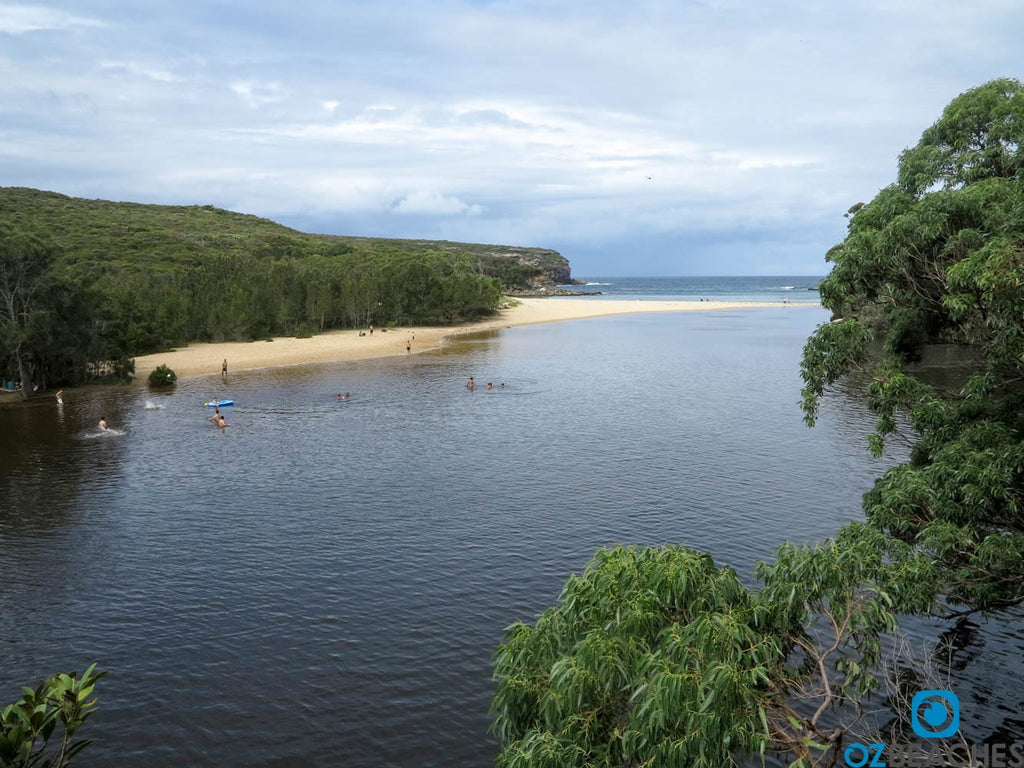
[22, 19]
[140, 69]
[434, 204]
[260, 94]
[487, 117]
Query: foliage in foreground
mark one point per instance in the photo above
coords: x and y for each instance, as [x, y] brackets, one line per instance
[39, 729]
[656, 657]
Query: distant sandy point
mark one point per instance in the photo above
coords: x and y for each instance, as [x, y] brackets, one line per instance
[334, 346]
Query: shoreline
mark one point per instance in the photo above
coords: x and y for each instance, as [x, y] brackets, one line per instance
[344, 345]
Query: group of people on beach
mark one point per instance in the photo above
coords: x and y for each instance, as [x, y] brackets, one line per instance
[408, 342]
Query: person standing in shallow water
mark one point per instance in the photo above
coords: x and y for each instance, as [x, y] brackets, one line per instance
[470, 384]
[224, 367]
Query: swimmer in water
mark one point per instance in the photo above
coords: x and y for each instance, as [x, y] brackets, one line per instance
[103, 423]
[60, 397]
[343, 397]
[470, 384]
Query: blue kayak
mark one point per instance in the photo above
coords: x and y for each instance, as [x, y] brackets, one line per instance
[215, 403]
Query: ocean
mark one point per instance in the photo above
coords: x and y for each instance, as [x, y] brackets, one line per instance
[801, 289]
[324, 583]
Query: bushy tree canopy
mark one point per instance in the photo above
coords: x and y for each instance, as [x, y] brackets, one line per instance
[938, 257]
[657, 657]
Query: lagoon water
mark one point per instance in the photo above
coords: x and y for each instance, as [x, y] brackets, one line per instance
[323, 583]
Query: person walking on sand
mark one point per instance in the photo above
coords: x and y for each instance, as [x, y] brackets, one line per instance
[371, 329]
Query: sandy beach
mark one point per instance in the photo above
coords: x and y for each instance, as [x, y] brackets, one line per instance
[201, 359]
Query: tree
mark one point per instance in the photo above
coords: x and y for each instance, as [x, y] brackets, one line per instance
[53, 329]
[656, 657]
[938, 257]
[25, 278]
[651, 655]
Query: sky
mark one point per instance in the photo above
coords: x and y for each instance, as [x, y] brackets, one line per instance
[640, 137]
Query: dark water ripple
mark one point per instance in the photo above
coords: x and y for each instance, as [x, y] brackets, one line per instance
[324, 583]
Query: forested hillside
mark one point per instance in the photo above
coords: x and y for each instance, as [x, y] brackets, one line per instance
[113, 280]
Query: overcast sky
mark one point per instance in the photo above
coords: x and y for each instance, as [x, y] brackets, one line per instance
[642, 137]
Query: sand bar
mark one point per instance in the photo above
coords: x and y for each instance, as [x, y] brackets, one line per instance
[200, 359]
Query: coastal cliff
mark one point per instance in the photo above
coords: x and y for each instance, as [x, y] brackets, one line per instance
[520, 268]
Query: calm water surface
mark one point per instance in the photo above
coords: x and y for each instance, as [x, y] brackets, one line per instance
[324, 583]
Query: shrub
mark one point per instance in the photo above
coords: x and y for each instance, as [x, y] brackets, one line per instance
[41, 725]
[162, 376]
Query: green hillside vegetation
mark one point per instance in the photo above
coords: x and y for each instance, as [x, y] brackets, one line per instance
[133, 279]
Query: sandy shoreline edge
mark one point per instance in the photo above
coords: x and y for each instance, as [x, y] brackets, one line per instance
[336, 346]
